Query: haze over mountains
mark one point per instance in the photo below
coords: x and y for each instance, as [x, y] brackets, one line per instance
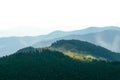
[108, 37]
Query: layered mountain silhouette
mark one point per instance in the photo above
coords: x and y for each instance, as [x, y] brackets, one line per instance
[107, 37]
[85, 48]
[51, 63]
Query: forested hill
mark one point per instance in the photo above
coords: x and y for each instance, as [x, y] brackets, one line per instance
[83, 47]
[52, 65]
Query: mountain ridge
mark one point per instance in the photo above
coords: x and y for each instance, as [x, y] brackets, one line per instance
[100, 38]
[11, 44]
[85, 48]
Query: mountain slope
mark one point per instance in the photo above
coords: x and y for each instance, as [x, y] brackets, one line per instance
[43, 64]
[84, 48]
[12, 44]
[109, 39]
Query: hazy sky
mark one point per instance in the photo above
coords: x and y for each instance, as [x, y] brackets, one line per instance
[36, 17]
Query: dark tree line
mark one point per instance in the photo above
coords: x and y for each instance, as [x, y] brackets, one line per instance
[53, 65]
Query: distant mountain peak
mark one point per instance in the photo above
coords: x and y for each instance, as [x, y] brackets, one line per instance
[27, 50]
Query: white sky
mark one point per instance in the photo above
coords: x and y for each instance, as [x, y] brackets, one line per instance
[36, 17]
